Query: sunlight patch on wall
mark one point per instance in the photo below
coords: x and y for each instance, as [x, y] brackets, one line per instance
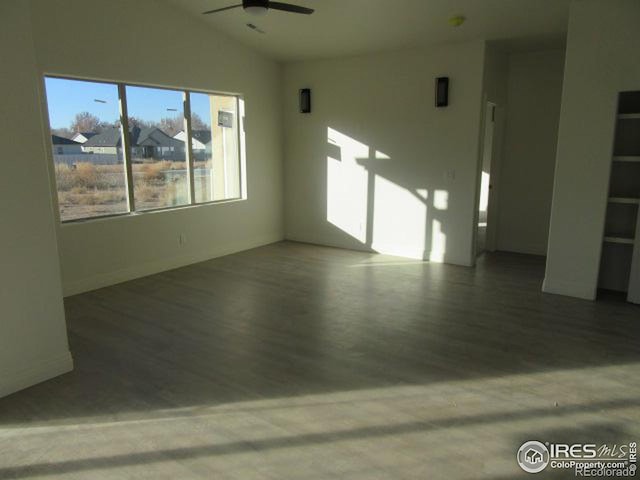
[367, 198]
[441, 200]
[438, 242]
[400, 218]
[484, 192]
[347, 186]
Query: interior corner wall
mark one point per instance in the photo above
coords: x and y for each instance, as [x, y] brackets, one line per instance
[601, 61]
[529, 151]
[155, 43]
[376, 166]
[33, 337]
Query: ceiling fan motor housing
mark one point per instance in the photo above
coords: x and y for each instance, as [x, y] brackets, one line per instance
[255, 3]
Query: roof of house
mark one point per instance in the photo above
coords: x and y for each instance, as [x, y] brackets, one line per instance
[58, 140]
[139, 137]
[86, 135]
[152, 137]
[109, 137]
[203, 136]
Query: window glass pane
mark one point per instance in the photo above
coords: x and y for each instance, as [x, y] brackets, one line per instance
[87, 148]
[214, 124]
[158, 159]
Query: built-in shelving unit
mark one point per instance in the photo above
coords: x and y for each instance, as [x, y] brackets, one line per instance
[625, 201]
[629, 116]
[627, 158]
[620, 240]
[620, 262]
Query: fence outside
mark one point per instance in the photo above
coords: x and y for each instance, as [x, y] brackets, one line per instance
[95, 158]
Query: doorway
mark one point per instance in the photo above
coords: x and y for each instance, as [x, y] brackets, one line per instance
[485, 178]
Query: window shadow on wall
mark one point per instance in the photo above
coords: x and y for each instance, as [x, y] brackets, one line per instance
[383, 203]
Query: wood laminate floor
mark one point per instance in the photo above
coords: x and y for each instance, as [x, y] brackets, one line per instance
[294, 361]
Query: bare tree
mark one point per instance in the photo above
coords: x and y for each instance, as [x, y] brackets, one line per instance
[140, 123]
[62, 132]
[197, 123]
[85, 122]
[173, 125]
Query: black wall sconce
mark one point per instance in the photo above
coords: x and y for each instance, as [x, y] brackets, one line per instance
[305, 100]
[442, 91]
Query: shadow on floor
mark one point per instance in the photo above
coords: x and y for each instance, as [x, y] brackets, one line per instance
[290, 319]
[588, 434]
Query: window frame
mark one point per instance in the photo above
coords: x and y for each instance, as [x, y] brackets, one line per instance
[127, 152]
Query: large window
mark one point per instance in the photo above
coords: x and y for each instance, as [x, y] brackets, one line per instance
[215, 147]
[122, 148]
[159, 161]
[91, 181]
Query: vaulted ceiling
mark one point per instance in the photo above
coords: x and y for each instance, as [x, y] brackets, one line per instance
[348, 27]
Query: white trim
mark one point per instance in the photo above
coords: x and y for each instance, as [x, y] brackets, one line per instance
[539, 250]
[402, 251]
[628, 116]
[107, 279]
[633, 295]
[432, 256]
[186, 112]
[627, 158]
[627, 201]
[586, 291]
[35, 372]
[126, 145]
[619, 240]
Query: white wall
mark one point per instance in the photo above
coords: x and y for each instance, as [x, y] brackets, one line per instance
[376, 165]
[33, 341]
[602, 60]
[529, 151]
[151, 42]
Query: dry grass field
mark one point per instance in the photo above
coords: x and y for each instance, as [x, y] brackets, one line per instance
[88, 190]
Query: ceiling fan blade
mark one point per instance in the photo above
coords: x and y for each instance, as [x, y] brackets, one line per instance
[221, 9]
[285, 7]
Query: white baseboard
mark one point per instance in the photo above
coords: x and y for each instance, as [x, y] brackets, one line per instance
[37, 371]
[150, 268]
[322, 242]
[569, 289]
[404, 252]
[431, 256]
[438, 256]
[532, 249]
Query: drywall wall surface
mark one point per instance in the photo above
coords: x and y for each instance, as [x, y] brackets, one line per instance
[376, 166]
[152, 42]
[529, 155]
[33, 337]
[601, 61]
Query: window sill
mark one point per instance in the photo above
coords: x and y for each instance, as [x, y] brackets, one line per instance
[104, 218]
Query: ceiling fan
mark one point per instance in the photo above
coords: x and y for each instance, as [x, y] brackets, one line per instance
[261, 7]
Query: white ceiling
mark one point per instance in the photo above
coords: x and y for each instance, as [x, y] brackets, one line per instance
[348, 27]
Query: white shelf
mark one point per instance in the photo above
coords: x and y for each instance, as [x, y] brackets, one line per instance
[620, 259]
[620, 240]
[628, 116]
[627, 158]
[627, 201]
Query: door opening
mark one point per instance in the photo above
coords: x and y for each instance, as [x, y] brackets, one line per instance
[485, 181]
